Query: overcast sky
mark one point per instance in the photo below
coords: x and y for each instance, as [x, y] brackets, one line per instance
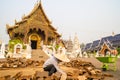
[90, 19]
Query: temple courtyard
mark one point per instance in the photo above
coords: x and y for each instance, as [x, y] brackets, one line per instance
[31, 70]
[34, 39]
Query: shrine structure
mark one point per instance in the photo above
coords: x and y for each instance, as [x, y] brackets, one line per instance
[34, 28]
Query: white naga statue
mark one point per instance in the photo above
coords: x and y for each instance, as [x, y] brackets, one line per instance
[48, 49]
[28, 51]
[2, 51]
[51, 49]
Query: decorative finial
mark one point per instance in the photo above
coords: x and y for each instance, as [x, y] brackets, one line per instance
[23, 16]
[61, 34]
[37, 2]
[40, 1]
[113, 33]
[56, 28]
[15, 21]
[75, 34]
[0, 41]
[7, 25]
[70, 38]
[75, 37]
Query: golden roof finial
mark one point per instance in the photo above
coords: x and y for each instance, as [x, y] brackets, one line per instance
[7, 25]
[75, 34]
[113, 33]
[23, 16]
[15, 21]
[39, 1]
[69, 37]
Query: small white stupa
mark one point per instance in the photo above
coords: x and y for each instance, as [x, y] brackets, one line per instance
[69, 46]
[76, 48]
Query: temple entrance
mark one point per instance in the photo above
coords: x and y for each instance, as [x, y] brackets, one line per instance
[35, 40]
[33, 44]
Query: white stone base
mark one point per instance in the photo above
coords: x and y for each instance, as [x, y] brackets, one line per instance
[2, 55]
[28, 56]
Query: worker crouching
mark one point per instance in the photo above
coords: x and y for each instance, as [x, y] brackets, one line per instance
[51, 65]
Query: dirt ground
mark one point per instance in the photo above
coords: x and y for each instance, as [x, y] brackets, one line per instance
[32, 70]
[98, 64]
[26, 71]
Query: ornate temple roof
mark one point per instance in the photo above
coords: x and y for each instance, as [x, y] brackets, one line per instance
[87, 47]
[110, 41]
[95, 44]
[35, 22]
[37, 6]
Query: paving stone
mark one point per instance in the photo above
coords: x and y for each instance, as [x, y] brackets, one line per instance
[40, 74]
[26, 77]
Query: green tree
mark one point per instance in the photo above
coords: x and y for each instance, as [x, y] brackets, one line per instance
[118, 49]
[13, 42]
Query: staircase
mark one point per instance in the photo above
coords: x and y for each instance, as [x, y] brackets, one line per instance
[39, 55]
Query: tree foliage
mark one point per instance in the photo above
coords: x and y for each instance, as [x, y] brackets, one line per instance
[13, 42]
[118, 49]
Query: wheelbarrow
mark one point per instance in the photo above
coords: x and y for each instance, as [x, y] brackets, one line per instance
[108, 63]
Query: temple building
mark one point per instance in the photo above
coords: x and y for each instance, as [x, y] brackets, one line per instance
[107, 49]
[34, 28]
[108, 43]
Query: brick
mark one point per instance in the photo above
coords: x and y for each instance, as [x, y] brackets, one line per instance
[72, 78]
[2, 78]
[70, 74]
[8, 77]
[16, 76]
[107, 75]
[41, 74]
[82, 77]
[26, 77]
[40, 79]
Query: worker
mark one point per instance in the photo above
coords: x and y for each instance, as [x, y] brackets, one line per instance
[51, 65]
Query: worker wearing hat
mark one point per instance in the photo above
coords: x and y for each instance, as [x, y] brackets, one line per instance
[51, 65]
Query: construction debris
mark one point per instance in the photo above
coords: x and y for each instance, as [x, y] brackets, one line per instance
[85, 70]
[19, 62]
[80, 70]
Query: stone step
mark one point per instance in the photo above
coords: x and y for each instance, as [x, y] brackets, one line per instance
[39, 55]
